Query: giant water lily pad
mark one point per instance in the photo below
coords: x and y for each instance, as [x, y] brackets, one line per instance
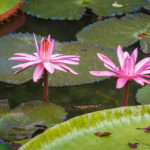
[73, 9]
[8, 7]
[115, 31]
[25, 43]
[24, 120]
[143, 96]
[79, 133]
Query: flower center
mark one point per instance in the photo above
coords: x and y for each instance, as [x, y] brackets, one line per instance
[46, 45]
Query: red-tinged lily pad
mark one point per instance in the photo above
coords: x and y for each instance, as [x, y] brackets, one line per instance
[78, 133]
[8, 8]
[13, 24]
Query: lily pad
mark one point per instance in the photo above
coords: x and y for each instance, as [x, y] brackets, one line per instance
[25, 43]
[23, 121]
[112, 7]
[8, 8]
[62, 9]
[80, 133]
[13, 24]
[115, 31]
[4, 107]
[142, 95]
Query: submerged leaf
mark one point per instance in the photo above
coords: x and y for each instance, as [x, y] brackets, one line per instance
[21, 122]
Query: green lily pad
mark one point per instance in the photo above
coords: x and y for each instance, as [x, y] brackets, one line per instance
[21, 122]
[71, 9]
[87, 52]
[145, 45]
[79, 133]
[115, 31]
[8, 8]
[25, 43]
[4, 107]
[105, 8]
[142, 95]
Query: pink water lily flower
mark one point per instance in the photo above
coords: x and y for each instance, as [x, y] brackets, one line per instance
[45, 59]
[45, 62]
[128, 69]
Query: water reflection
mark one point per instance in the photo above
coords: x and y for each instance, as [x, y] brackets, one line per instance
[100, 95]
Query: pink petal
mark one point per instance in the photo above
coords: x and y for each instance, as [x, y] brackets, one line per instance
[135, 54]
[24, 55]
[36, 45]
[126, 54]
[38, 72]
[146, 81]
[50, 50]
[68, 69]
[120, 55]
[141, 65]
[28, 64]
[106, 60]
[57, 67]
[41, 47]
[145, 72]
[65, 61]
[104, 73]
[139, 80]
[22, 59]
[49, 67]
[132, 65]
[121, 82]
[126, 66]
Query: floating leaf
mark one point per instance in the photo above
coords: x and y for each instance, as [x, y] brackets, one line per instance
[61, 9]
[87, 52]
[8, 8]
[22, 121]
[77, 133]
[4, 107]
[13, 24]
[25, 43]
[115, 31]
[143, 94]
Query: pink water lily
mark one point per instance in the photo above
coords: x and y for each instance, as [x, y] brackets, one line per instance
[45, 60]
[128, 69]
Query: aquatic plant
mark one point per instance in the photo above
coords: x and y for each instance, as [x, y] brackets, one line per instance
[116, 129]
[128, 70]
[45, 61]
[8, 8]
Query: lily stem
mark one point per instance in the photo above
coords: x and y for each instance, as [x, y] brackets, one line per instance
[45, 86]
[126, 93]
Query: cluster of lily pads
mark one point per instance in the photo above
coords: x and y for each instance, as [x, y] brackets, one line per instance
[90, 131]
